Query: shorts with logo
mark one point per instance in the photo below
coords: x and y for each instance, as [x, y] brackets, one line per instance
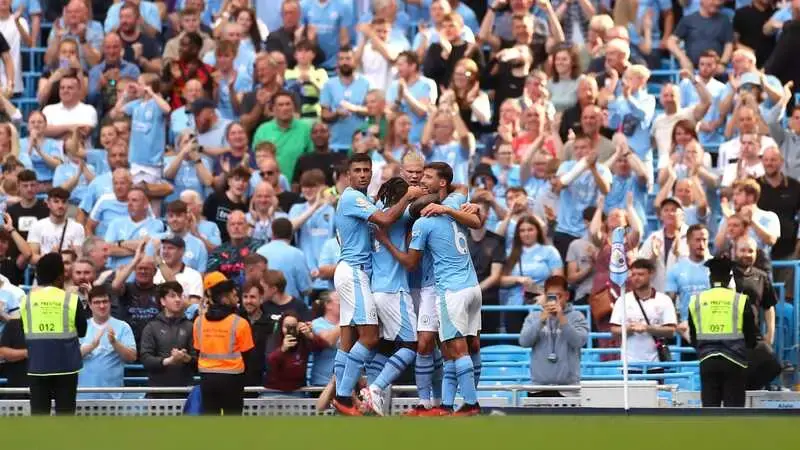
[425, 305]
[356, 303]
[459, 313]
[397, 317]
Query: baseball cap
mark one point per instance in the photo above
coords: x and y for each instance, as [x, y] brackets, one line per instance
[750, 78]
[214, 279]
[671, 200]
[201, 104]
[177, 241]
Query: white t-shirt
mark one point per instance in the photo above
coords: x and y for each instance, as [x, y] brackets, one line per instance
[731, 173]
[190, 280]
[9, 29]
[80, 114]
[660, 311]
[375, 68]
[47, 234]
[729, 151]
[662, 131]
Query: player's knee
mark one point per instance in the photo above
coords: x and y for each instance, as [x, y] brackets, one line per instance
[425, 344]
[368, 337]
[456, 348]
[409, 345]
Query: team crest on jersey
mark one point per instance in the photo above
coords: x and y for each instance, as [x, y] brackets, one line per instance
[326, 217]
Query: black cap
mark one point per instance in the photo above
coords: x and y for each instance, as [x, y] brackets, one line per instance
[201, 104]
[177, 241]
[483, 170]
[671, 200]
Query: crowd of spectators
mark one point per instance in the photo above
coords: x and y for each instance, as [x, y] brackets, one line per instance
[173, 139]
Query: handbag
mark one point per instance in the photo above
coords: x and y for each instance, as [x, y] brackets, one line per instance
[601, 303]
[661, 345]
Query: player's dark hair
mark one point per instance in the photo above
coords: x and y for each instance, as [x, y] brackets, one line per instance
[281, 228]
[443, 171]
[420, 203]
[392, 191]
[169, 286]
[645, 264]
[359, 158]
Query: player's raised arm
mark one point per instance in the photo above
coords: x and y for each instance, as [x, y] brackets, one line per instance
[386, 218]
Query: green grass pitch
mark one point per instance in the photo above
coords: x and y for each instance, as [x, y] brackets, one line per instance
[580, 432]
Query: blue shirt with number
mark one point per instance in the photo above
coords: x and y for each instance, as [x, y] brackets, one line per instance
[388, 275]
[447, 242]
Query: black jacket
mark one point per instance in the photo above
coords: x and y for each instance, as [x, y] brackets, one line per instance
[255, 361]
[159, 337]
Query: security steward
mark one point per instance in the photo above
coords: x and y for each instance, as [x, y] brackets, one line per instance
[53, 320]
[221, 338]
[722, 328]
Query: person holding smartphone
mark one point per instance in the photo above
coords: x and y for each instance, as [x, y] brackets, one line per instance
[555, 334]
[289, 360]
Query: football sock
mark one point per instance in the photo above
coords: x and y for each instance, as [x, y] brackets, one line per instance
[466, 379]
[438, 375]
[449, 384]
[423, 372]
[352, 369]
[338, 365]
[375, 366]
[476, 367]
[392, 369]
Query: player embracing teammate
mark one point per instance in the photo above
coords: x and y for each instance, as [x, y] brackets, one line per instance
[374, 288]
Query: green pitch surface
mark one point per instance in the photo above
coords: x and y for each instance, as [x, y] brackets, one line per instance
[326, 433]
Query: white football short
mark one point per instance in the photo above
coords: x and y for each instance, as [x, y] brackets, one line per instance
[396, 315]
[459, 313]
[356, 303]
[425, 305]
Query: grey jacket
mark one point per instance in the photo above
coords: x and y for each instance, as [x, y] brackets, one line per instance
[159, 337]
[550, 337]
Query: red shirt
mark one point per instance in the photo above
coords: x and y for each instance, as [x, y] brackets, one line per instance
[287, 371]
[202, 74]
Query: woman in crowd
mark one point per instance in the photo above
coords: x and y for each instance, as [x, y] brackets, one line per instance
[564, 68]
[465, 91]
[10, 145]
[446, 138]
[287, 363]
[397, 144]
[326, 326]
[600, 233]
[252, 41]
[237, 153]
[529, 264]
[535, 124]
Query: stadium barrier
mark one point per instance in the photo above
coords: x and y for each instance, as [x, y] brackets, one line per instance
[589, 394]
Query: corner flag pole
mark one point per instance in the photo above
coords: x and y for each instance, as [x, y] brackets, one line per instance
[618, 270]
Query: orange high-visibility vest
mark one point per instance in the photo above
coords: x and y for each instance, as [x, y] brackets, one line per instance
[220, 344]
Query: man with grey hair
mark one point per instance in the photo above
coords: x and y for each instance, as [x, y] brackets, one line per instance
[96, 251]
[202, 229]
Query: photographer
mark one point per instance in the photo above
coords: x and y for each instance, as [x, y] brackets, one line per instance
[555, 336]
[288, 362]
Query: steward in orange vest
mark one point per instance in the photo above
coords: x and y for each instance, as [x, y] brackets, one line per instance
[221, 337]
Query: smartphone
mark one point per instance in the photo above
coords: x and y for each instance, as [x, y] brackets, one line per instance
[291, 330]
[551, 298]
[63, 63]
